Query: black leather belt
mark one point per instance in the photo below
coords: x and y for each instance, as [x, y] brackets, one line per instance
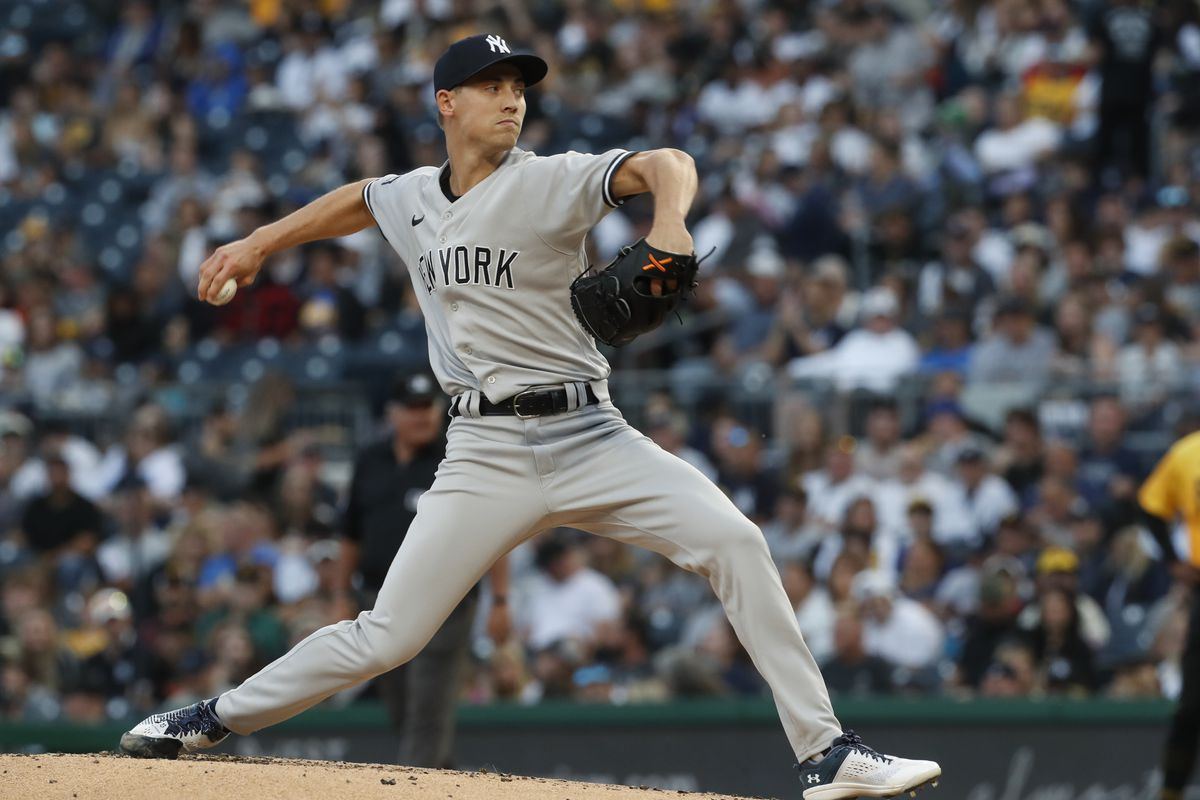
[526, 405]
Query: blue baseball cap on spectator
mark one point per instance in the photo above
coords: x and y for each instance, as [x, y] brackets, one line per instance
[943, 407]
[592, 675]
[1172, 197]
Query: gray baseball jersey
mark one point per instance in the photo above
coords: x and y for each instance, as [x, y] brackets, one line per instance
[492, 269]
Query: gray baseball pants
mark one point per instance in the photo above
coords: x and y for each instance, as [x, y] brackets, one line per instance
[505, 479]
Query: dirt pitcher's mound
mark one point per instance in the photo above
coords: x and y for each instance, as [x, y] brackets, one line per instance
[105, 776]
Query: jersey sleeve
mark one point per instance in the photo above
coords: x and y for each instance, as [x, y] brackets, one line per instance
[566, 195]
[1159, 494]
[380, 195]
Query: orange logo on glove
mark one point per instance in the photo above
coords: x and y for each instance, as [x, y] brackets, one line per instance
[656, 264]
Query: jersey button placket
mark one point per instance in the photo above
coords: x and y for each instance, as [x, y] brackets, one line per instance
[454, 306]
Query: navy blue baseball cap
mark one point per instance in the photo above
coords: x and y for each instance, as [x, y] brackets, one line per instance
[418, 388]
[472, 55]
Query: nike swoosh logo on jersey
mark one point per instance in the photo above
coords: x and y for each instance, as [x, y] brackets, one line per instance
[417, 221]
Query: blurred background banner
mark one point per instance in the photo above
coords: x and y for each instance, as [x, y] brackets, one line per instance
[950, 324]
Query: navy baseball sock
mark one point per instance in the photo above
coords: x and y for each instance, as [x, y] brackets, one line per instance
[808, 762]
[213, 709]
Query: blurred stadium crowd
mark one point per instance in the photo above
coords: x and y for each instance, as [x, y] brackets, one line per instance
[949, 323]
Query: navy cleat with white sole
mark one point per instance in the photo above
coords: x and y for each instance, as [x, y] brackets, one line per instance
[851, 770]
[166, 735]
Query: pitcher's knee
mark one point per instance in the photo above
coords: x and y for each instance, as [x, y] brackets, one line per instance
[742, 541]
[388, 643]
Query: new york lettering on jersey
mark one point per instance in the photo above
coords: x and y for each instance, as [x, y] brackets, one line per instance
[461, 265]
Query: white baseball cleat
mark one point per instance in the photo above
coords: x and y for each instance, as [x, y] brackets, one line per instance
[851, 769]
[186, 729]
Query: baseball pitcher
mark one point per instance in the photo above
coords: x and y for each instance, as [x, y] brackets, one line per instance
[493, 240]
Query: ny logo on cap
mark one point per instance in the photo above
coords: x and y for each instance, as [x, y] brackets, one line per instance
[497, 44]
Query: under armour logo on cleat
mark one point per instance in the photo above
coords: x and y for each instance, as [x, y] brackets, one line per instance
[813, 778]
[497, 44]
[417, 220]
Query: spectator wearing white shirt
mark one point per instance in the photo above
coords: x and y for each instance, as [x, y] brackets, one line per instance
[875, 356]
[815, 612]
[149, 453]
[849, 147]
[831, 490]
[567, 599]
[1013, 144]
[311, 69]
[1155, 226]
[915, 483]
[735, 102]
[991, 248]
[730, 231]
[80, 454]
[878, 455]
[140, 545]
[863, 537]
[1151, 366]
[900, 631]
[988, 497]
[790, 534]
[52, 365]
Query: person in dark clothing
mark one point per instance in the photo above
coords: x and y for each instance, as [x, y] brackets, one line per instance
[813, 230]
[751, 485]
[1127, 38]
[851, 670]
[64, 527]
[955, 281]
[1108, 469]
[326, 304]
[1023, 453]
[212, 457]
[995, 622]
[1182, 20]
[1064, 658]
[108, 678]
[389, 478]
[807, 320]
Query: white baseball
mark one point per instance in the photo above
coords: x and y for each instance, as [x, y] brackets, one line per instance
[227, 293]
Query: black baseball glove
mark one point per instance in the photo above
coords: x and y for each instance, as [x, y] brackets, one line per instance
[616, 304]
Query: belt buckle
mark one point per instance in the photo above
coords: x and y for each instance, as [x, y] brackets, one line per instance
[516, 403]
